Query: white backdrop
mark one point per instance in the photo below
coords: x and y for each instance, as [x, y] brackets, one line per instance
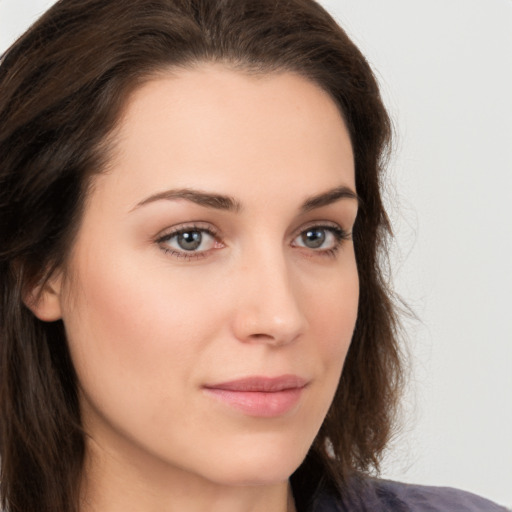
[445, 67]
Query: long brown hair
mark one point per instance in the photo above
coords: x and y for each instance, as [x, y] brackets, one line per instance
[62, 87]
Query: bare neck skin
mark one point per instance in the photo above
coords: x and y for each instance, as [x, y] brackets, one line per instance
[114, 485]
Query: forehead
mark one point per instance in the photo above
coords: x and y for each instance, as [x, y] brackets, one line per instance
[224, 128]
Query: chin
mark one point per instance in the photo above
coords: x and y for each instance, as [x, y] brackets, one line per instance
[262, 464]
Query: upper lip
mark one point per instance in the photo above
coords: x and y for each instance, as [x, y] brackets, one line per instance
[261, 384]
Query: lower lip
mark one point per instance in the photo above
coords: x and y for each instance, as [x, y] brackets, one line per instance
[259, 403]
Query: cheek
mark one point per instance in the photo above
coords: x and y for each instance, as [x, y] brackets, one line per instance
[125, 301]
[332, 312]
[332, 309]
[131, 332]
[339, 322]
[137, 339]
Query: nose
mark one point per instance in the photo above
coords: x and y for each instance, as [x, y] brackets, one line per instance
[269, 305]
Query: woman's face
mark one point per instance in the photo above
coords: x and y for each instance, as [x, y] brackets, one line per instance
[212, 292]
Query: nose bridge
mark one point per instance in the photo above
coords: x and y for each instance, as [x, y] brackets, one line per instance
[269, 306]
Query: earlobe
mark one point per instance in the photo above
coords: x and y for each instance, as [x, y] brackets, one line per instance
[44, 300]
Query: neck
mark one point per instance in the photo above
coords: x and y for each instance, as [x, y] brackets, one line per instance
[113, 484]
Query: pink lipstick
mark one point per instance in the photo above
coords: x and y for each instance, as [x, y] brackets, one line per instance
[265, 397]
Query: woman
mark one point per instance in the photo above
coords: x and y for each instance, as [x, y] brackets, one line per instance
[193, 311]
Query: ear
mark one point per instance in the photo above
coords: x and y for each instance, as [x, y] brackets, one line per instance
[44, 299]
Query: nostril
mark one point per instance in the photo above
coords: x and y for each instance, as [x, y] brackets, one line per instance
[275, 340]
[262, 336]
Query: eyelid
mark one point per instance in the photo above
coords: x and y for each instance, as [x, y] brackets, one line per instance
[325, 224]
[173, 231]
[339, 234]
[187, 226]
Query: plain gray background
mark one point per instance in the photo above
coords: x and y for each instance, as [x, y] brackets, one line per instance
[445, 67]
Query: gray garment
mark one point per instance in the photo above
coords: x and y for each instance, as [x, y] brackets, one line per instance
[385, 496]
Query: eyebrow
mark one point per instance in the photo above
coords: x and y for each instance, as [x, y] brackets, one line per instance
[207, 199]
[329, 197]
[228, 203]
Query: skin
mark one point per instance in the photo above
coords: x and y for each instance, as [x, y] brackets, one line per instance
[149, 324]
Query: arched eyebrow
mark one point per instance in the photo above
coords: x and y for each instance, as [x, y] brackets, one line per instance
[229, 203]
[207, 199]
[329, 197]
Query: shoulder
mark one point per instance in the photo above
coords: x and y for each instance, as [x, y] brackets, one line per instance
[422, 498]
[386, 496]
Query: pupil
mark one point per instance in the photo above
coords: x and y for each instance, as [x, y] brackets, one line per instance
[190, 240]
[313, 238]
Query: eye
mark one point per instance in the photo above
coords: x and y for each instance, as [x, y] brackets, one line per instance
[324, 239]
[314, 238]
[188, 241]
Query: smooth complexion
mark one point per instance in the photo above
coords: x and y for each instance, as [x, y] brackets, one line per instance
[211, 294]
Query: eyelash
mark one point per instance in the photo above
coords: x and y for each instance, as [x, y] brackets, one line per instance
[181, 230]
[339, 234]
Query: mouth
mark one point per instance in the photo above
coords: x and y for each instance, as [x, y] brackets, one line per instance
[264, 397]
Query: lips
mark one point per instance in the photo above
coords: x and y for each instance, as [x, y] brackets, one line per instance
[260, 396]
